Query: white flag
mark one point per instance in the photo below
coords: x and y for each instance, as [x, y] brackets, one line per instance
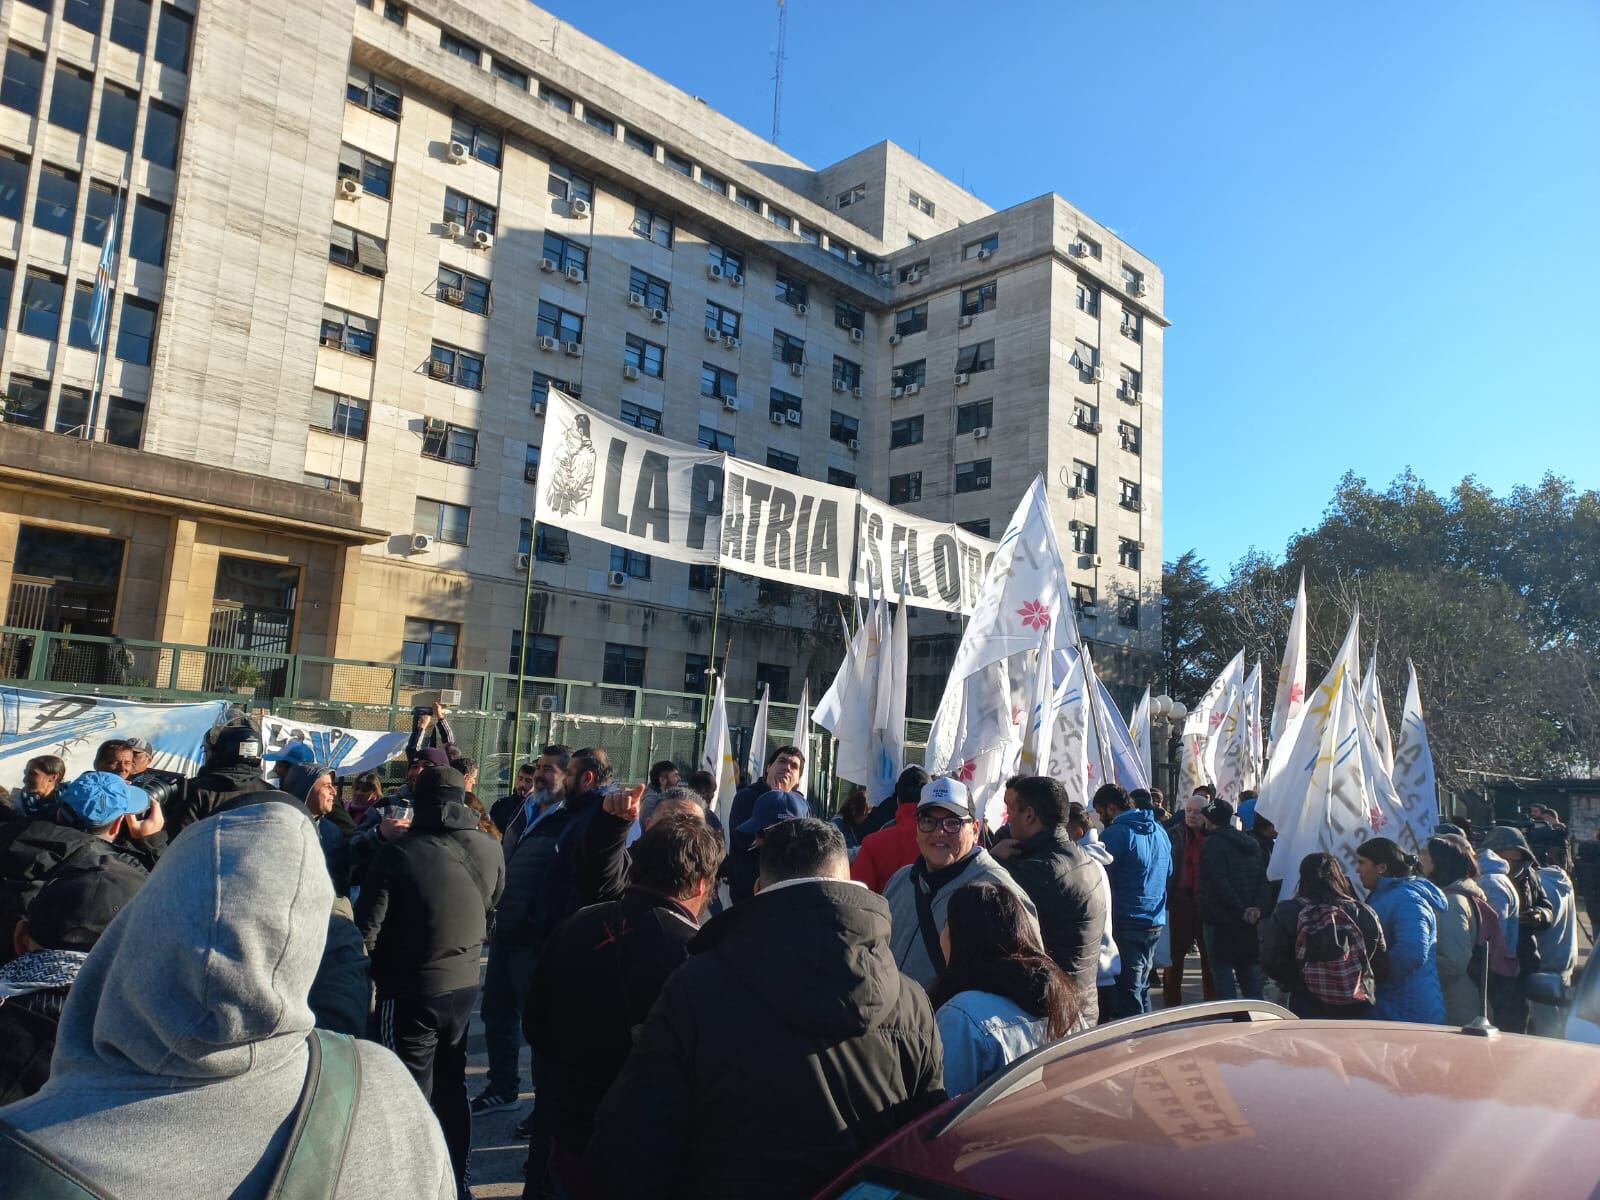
[889, 711]
[1230, 754]
[830, 709]
[1292, 674]
[1377, 716]
[1034, 755]
[1069, 745]
[1130, 770]
[1201, 726]
[802, 735]
[1413, 767]
[718, 756]
[976, 735]
[1139, 731]
[1253, 765]
[755, 755]
[863, 757]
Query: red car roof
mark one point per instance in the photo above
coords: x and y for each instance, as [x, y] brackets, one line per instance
[1276, 1108]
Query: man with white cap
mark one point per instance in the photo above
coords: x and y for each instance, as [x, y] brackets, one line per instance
[949, 857]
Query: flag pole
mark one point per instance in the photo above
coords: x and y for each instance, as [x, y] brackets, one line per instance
[1092, 698]
[112, 235]
[711, 664]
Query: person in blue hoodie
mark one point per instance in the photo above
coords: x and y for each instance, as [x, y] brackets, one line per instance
[1409, 908]
[1141, 861]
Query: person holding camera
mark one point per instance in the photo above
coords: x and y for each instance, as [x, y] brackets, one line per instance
[232, 768]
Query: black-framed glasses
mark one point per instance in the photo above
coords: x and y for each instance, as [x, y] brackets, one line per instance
[948, 824]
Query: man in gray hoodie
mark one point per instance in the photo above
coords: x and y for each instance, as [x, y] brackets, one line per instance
[183, 1045]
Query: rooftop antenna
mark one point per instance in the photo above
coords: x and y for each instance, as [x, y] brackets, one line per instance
[777, 74]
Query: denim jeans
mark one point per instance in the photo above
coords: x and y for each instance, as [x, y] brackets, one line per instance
[1137, 945]
[505, 992]
[1233, 979]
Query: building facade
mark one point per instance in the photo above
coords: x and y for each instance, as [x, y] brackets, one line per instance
[357, 243]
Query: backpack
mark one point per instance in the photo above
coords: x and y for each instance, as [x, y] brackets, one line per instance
[1332, 956]
[1490, 942]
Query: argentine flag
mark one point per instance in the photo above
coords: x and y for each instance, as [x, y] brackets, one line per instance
[100, 311]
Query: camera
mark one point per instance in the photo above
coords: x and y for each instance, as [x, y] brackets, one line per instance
[159, 787]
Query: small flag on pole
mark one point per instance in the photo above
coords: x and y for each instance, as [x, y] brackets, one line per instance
[100, 310]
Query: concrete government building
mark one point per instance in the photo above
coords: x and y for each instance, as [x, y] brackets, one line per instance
[357, 243]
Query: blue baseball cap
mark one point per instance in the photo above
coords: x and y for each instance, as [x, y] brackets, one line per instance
[773, 808]
[296, 753]
[98, 798]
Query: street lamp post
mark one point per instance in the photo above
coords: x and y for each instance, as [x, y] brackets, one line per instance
[1166, 723]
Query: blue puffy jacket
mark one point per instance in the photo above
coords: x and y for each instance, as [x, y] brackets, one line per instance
[1141, 861]
[1409, 909]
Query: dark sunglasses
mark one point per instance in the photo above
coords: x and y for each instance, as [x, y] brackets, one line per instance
[948, 824]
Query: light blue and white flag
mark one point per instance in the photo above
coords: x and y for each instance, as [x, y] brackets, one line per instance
[100, 308]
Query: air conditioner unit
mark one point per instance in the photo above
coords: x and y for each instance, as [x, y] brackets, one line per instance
[1098, 374]
[1139, 545]
[793, 416]
[1139, 289]
[548, 343]
[1079, 249]
[457, 153]
[896, 392]
[801, 310]
[777, 418]
[796, 368]
[547, 265]
[454, 229]
[713, 333]
[350, 189]
[420, 543]
[1096, 561]
[895, 339]
[1131, 395]
[575, 349]
[731, 342]
[629, 371]
[438, 370]
[574, 275]
[538, 408]
[731, 403]
[737, 280]
[1074, 524]
[545, 703]
[913, 388]
[579, 207]
[965, 321]
[450, 697]
[912, 277]
[962, 379]
[856, 391]
[856, 335]
[1074, 493]
[522, 562]
[635, 299]
[658, 315]
[982, 254]
[886, 277]
[1092, 427]
[530, 472]
[616, 578]
[484, 240]
[981, 432]
[452, 295]
[838, 385]
[853, 446]
[980, 481]
[713, 271]
[435, 424]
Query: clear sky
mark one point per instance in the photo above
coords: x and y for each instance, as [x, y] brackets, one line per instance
[1379, 224]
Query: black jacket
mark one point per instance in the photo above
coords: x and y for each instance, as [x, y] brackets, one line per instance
[785, 1047]
[603, 859]
[1232, 877]
[1064, 883]
[740, 867]
[28, 1026]
[1281, 965]
[342, 991]
[207, 792]
[600, 973]
[554, 895]
[529, 854]
[29, 851]
[423, 910]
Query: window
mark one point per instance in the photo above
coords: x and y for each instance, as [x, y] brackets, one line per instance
[781, 219]
[483, 144]
[1129, 497]
[452, 365]
[653, 225]
[972, 359]
[555, 99]
[346, 331]
[630, 562]
[428, 644]
[846, 372]
[623, 665]
[1088, 298]
[1128, 612]
[475, 215]
[637, 141]
[41, 305]
[787, 348]
[136, 335]
[977, 415]
[372, 92]
[912, 272]
[79, 327]
[542, 658]
[119, 113]
[57, 200]
[26, 401]
[745, 200]
[641, 417]
[8, 280]
[724, 320]
[100, 203]
[851, 194]
[1129, 435]
[980, 299]
[1083, 600]
[717, 383]
[921, 204]
[1128, 553]
[972, 476]
[464, 291]
[779, 460]
[1084, 476]
[445, 522]
[1083, 538]
[345, 416]
[565, 184]
[69, 99]
[790, 290]
[14, 187]
[85, 14]
[551, 545]
[783, 404]
[558, 323]
[507, 73]
[125, 422]
[981, 248]
[1090, 246]
[130, 22]
[843, 428]
[716, 183]
[905, 489]
[72, 411]
[371, 172]
[652, 292]
[911, 320]
[1084, 356]
[596, 119]
[695, 665]
[979, 527]
[647, 357]
[452, 444]
[911, 372]
[460, 47]
[174, 30]
[845, 479]
[1132, 383]
[775, 679]
[161, 125]
[1132, 325]
[678, 163]
[530, 464]
[907, 431]
[715, 439]
[770, 591]
[1086, 415]
[565, 252]
[1132, 280]
[149, 241]
[23, 79]
[848, 316]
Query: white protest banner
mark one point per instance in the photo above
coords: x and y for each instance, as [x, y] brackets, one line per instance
[786, 527]
[347, 751]
[617, 484]
[944, 564]
[72, 726]
[1413, 767]
[1292, 674]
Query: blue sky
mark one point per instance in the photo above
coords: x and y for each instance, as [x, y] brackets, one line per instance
[1379, 225]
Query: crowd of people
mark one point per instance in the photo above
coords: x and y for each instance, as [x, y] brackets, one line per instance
[241, 956]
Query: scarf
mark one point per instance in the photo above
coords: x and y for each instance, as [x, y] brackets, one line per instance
[40, 971]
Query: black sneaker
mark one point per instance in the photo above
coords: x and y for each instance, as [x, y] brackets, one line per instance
[524, 1129]
[488, 1102]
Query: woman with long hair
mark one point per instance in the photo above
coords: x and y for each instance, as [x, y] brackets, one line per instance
[1409, 907]
[1449, 863]
[1323, 946]
[999, 995]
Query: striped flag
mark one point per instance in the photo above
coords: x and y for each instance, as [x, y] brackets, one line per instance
[100, 311]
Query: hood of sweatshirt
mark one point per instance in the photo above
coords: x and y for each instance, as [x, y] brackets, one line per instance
[1423, 889]
[1491, 863]
[1139, 820]
[1094, 848]
[223, 943]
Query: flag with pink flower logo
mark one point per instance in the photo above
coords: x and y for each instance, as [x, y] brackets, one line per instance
[1292, 674]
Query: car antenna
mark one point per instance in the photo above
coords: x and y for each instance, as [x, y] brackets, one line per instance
[1480, 1025]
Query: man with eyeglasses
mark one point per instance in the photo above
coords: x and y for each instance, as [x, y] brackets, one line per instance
[949, 857]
